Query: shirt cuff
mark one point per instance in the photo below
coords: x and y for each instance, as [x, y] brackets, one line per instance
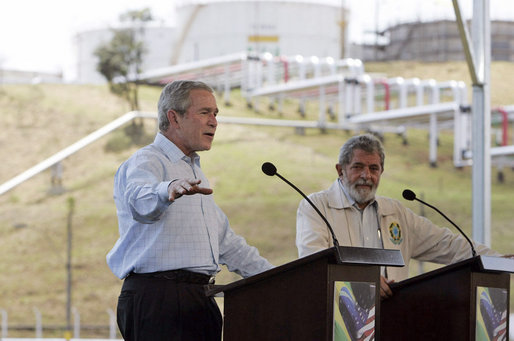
[162, 191]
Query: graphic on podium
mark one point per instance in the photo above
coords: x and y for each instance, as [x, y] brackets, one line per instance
[354, 311]
[491, 314]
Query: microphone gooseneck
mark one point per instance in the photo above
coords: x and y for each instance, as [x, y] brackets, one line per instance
[410, 195]
[269, 169]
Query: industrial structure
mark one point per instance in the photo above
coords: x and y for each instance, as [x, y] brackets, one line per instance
[217, 28]
[214, 28]
[209, 29]
[435, 41]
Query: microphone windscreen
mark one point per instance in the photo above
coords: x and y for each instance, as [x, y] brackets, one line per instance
[269, 169]
[408, 195]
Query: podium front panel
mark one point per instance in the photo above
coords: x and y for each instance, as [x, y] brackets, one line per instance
[438, 306]
[297, 304]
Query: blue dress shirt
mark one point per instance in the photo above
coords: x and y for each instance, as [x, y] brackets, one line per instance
[191, 233]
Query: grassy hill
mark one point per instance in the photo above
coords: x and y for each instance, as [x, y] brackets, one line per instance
[39, 120]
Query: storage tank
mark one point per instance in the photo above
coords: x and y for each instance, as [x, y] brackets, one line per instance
[158, 42]
[208, 29]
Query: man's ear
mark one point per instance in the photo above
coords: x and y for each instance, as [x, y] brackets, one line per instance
[339, 169]
[173, 118]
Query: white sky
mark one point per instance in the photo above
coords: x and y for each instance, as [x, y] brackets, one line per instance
[37, 34]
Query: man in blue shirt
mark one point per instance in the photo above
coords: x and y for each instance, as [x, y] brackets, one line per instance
[173, 236]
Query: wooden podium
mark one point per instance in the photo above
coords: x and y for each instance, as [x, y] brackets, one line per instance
[295, 301]
[463, 301]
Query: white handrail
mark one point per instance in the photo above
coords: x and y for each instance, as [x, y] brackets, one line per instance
[52, 160]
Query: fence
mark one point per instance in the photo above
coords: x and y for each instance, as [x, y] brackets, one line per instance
[111, 328]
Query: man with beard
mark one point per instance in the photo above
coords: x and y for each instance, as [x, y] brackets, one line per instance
[359, 218]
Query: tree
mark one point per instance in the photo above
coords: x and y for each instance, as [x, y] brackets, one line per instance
[120, 59]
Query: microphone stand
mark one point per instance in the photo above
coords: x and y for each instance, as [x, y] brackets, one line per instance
[271, 170]
[409, 195]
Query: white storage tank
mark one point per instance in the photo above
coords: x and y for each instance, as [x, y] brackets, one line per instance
[208, 29]
[158, 40]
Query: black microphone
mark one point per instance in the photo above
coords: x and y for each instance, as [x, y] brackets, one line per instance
[410, 195]
[269, 169]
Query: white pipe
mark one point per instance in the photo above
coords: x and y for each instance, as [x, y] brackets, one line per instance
[226, 91]
[342, 119]
[76, 323]
[39, 323]
[357, 105]
[402, 96]
[5, 325]
[270, 68]
[434, 99]
[347, 98]
[322, 107]
[112, 324]
[370, 93]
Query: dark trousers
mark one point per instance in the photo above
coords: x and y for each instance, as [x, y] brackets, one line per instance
[152, 307]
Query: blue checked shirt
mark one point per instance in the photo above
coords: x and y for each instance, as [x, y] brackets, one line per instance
[192, 233]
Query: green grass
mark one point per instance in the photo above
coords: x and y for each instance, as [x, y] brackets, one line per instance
[38, 121]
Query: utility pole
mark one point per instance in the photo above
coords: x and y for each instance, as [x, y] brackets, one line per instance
[343, 33]
[377, 26]
[478, 57]
[481, 126]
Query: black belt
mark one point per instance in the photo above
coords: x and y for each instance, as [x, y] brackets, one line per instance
[182, 276]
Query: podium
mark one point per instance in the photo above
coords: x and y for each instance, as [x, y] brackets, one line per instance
[295, 301]
[468, 300]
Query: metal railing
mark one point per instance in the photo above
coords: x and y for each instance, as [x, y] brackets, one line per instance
[38, 327]
[58, 157]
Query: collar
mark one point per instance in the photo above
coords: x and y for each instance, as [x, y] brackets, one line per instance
[173, 152]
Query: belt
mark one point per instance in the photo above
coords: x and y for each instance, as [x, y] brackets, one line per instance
[182, 276]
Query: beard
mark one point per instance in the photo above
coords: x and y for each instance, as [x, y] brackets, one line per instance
[361, 195]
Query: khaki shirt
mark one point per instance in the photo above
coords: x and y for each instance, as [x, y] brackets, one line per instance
[415, 236]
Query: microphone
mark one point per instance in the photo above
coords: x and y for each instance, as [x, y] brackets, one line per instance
[269, 169]
[410, 195]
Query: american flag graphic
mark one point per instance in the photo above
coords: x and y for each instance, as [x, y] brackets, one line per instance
[357, 307]
[494, 317]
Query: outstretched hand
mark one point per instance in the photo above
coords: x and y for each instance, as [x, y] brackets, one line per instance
[181, 187]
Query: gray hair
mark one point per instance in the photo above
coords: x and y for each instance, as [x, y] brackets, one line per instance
[175, 96]
[367, 142]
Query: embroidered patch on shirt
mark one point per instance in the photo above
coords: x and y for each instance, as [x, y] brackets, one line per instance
[395, 231]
